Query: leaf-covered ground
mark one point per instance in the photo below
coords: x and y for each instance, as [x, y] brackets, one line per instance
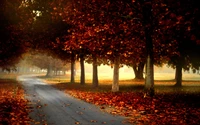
[13, 105]
[170, 105]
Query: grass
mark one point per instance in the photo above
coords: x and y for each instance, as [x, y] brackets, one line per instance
[6, 76]
[63, 82]
[8, 82]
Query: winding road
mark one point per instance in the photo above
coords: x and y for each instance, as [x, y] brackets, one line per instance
[51, 106]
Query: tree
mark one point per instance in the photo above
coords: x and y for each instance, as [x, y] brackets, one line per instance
[13, 36]
[48, 32]
[43, 61]
[119, 30]
[148, 24]
[114, 30]
[157, 18]
[138, 70]
[185, 33]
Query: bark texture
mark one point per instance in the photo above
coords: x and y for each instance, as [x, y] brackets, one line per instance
[95, 81]
[82, 70]
[72, 80]
[178, 74]
[115, 84]
[138, 70]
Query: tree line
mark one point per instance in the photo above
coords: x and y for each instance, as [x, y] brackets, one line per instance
[136, 33]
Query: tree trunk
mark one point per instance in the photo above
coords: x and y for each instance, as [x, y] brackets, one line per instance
[138, 70]
[82, 70]
[149, 81]
[55, 72]
[149, 78]
[178, 74]
[115, 84]
[95, 72]
[72, 68]
[49, 71]
[148, 29]
[141, 70]
[135, 71]
[64, 72]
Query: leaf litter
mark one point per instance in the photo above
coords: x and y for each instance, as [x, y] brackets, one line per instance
[14, 108]
[166, 107]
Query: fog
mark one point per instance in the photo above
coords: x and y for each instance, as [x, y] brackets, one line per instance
[160, 73]
[105, 72]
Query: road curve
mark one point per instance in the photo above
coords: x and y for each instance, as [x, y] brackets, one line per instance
[53, 107]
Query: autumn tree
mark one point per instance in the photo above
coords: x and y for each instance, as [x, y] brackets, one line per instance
[103, 32]
[114, 29]
[13, 35]
[120, 30]
[73, 14]
[184, 31]
[48, 32]
[156, 18]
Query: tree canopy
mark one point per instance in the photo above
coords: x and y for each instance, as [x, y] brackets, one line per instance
[104, 32]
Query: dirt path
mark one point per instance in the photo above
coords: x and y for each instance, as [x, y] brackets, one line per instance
[53, 107]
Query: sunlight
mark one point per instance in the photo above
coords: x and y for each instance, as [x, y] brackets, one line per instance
[125, 73]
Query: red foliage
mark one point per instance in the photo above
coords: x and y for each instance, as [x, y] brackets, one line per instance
[161, 109]
[13, 106]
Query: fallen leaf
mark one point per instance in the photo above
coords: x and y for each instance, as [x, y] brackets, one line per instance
[103, 122]
[94, 121]
[77, 123]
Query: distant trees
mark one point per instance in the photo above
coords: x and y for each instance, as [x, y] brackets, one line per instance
[52, 65]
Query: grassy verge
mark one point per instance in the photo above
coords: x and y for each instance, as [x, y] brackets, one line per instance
[13, 106]
[166, 86]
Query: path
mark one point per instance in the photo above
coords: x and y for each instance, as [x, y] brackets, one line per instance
[53, 107]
